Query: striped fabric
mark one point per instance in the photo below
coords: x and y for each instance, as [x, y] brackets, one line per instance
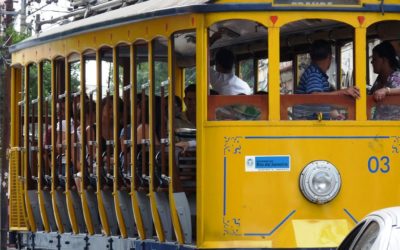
[313, 80]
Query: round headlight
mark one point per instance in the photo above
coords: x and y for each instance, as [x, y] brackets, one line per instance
[320, 182]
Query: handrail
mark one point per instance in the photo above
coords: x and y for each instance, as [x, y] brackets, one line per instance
[389, 100]
[218, 101]
[333, 100]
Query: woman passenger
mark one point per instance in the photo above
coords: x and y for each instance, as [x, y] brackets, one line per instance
[387, 66]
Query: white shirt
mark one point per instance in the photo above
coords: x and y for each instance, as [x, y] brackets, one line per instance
[228, 84]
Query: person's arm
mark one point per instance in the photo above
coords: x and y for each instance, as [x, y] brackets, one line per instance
[381, 93]
[352, 91]
[315, 85]
[186, 144]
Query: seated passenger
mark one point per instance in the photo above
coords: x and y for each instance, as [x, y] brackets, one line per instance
[223, 79]
[314, 80]
[386, 65]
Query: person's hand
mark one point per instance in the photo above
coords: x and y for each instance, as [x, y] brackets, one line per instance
[353, 91]
[183, 144]
[380, 94]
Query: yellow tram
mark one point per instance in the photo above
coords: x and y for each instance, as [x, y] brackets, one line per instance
[95, 154]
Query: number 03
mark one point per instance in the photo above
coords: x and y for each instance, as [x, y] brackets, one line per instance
[376, 164]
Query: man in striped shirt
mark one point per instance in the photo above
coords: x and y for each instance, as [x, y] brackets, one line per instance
[315, 80]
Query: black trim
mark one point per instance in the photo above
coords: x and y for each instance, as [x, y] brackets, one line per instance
[204, 8]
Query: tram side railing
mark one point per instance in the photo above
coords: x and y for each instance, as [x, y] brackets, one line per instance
[344, 106]
[238, 107]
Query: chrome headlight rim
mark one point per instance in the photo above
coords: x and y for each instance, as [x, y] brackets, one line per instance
[320, 174]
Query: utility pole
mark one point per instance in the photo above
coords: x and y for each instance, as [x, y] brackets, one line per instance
[5, 81]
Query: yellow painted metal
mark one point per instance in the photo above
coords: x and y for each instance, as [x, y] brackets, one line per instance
[201, 111]
[175, 80]
[25, 155]
[360, 58]
[273, 79]
[100, 202]
[42, 206]
[85, 206]
[275, 195]
[17, 212]
[134, 199]
[116, 168]
[54, 191]
[153, 203]
[128, 33]
[68, 177]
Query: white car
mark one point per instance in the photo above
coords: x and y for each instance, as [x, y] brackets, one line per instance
[378, 230]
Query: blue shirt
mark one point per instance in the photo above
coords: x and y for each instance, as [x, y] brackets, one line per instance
[313, 80]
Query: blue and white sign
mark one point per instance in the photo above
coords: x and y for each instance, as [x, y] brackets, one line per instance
[267, 163]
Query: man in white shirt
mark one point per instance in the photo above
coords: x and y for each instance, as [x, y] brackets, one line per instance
[223, 80]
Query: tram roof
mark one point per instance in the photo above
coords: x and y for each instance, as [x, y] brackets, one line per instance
[159, 8]
[129, 14]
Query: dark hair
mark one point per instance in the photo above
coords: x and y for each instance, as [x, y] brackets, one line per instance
[110, 98]
[225, 58]
[386, 50]
[178, 101]
[190, 88]
[320, 50]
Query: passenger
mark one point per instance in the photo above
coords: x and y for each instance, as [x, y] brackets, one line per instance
[181, 121]
[315, 80]
[61, 135]
[386, 65]
[90, 118]
[107, 131]
[223, 79]
[190, 102]
[143, 129]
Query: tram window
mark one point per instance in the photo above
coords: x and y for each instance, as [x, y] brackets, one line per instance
[74, 72]
[31, 129]
[106, 128]
[59, 140]
[346, 65]
[247, 41]
[45, 102]
[247, 72]
[262, 84]
[87, 141]
[296, 52]
[124, 151]
[160, 111]
[286, 77]
[141, 105]
[383, 45]
[190, 76]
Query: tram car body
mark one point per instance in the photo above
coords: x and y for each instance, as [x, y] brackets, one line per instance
[94, 155]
